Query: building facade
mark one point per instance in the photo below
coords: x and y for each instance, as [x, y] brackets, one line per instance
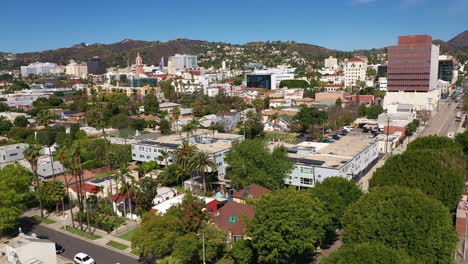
[331, 63]
[182, 61]
[355, 70]
[95, 66]
[351, 157]
[11, 153]
[138, 66]
[77, 70]
[269, 78]
[446, 68]
[413, 64]
[39, 68]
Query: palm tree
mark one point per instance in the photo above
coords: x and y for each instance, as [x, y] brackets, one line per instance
[275, 118]
[44, 117]
[188, 128]
[32, 154]
[63, 155]
[201, 162]
[182, 156]
[195, 123]
[164, 156]
[176, 114]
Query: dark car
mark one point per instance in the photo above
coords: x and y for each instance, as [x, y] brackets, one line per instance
[336, 137]
[344, 132]
[59, 249]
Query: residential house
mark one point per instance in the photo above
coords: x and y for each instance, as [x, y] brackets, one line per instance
[164, 194]
[13, 152]
[30, 249]
[232, 217]
[87, 189]
[228, 120]
[253, 192]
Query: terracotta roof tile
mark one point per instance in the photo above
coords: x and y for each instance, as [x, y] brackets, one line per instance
[253, 191]
[231, 217]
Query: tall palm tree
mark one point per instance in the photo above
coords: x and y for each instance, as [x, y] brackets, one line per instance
[195, 123]
[44, 118]
[176, 114]
[275, 118]
[63, 156]
[188, 128]
[200, 163]
[182, 156]
[32, 154]
[164, 156]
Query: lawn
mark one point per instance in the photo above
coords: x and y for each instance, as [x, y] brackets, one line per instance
[128, 235]
[45, 220]
[82, 233]
[117, 245]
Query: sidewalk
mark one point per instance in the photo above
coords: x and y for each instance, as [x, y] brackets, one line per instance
[104, 236]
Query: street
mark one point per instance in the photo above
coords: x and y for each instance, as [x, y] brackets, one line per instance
[443, 121]
[74, 245]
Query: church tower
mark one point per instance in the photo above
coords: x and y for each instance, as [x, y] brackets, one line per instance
[138, 66]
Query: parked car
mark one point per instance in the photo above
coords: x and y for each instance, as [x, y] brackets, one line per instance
[327, 141]
[336, 137]
[344, 132]
[59, 249]
[82, 258]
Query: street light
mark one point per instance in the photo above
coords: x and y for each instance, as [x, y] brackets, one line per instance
[203, 236]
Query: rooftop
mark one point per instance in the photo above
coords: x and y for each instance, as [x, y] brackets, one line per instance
[253, 191]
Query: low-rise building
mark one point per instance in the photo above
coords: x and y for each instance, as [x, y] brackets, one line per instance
[251, 192]
[164, 194]
[215, 144]
[232, 218]
[11, 153]
[350, 157]
[30, 249]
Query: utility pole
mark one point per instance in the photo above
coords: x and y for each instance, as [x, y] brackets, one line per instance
[388, 128]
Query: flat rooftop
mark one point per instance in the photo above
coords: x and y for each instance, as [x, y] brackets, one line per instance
[336, 154]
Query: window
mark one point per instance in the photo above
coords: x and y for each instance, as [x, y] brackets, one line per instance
[142, 156]
[307, 170]
[307, 181]
[141, 148]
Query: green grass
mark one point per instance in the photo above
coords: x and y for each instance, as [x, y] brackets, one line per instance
[82, 233]
[44, 220]
[128, 235]
[117, 245]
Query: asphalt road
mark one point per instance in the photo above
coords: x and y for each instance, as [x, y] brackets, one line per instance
[74, 245]
[443, 121]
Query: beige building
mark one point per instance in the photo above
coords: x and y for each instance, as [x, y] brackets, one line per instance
[355, 70]
[331, 63]
[76, 69]
[29, 249]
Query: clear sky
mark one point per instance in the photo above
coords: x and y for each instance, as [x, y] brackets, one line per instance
[32, 25]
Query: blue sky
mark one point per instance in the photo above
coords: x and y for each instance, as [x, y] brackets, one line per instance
[338, 24]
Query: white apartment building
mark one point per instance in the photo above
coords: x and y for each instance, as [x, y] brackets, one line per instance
[351, 157]
[22, 99]
[331, 63]
[40, 68]
[182, 61]
[355, 70]
[11, 153]
[269, 78]
[215, 144]
[335, 78]
[76, 69]
[383, 83]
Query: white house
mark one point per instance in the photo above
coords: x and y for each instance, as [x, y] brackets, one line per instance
[164, 194]
[30, 249]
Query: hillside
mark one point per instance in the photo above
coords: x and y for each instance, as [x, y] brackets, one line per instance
[460, 40]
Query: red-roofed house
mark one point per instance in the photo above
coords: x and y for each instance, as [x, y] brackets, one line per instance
[253, 191]
[232, 217]
[122, 205]
[88, 190]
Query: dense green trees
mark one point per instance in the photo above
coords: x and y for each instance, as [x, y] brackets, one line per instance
[435, 165]
[462, 140]
[175, 234]
[243, 253]
[252, 126]
[367, 253]
[403, 219]
[164, 126]
[336, 194]
[307, 117]
[374, 111]
[52, 193]
[151, 104]
[288, 226]
[251, 161]
[15, 183]
[294, 84]
[21, 121]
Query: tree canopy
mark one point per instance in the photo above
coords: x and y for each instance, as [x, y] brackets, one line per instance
[428, 166]
[336, 193]
[251, 161]
[288, 226]
[403, 219]
[367, 253]
[15, 182]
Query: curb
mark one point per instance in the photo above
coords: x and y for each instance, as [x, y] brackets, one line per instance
[90, 241]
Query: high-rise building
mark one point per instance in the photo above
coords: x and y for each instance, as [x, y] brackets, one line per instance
[182, 61]
[412, 73]
[331, 63]
[95, 66]
[355, 70]
[138, 65]
[413, 64]
[76, 69]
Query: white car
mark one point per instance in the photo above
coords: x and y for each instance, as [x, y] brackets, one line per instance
[82, 258]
